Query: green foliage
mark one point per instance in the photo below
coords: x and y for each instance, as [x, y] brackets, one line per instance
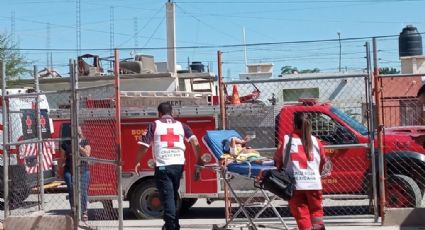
[388, 70]
[287, 69]
[315, 70]
[15, 62]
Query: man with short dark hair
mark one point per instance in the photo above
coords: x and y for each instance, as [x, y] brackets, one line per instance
[420, 139]
[167, 136]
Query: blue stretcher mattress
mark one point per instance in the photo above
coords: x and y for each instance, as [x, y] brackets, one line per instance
[214, 140]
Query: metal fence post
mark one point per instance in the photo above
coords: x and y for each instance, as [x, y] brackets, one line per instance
[380, 126]
[40, 144]
[371, 124]
[222, 100]
[74, 141]
[118, 137]
[5, 141]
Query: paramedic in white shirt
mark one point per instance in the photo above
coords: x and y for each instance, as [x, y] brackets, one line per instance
[167, 136]
[305, 165]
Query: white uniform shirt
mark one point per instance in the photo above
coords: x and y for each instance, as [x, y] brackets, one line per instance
[305, 171]
[167, 136]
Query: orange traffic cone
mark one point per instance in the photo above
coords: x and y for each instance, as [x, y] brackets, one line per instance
[235, 96]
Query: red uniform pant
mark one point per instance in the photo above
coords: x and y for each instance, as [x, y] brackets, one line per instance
[306, 207]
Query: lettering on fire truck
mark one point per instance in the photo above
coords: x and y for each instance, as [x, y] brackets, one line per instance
[329, 181]
[137, 133]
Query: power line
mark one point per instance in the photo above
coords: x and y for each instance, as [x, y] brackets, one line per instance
[199, 20]
[144, 26]
[154, 32]
[231, 45]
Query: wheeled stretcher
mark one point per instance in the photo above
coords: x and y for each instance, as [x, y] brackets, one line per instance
[250, 170]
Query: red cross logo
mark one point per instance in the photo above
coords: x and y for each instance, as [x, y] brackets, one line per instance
[28, 122]
[170, 138]
[43, 122]
[300, 157]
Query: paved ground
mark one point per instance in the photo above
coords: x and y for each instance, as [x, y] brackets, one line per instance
[202, 216]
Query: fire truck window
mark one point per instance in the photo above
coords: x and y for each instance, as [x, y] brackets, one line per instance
[329, 130]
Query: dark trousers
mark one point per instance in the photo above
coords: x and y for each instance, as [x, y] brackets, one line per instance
[85, 178]
[167, 179]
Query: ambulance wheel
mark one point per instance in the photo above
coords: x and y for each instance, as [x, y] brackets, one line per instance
[402, 191]
[187, 203]
[145, 202]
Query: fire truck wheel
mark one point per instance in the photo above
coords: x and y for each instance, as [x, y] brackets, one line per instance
[187, 203]
[145, 202]
[402, 191]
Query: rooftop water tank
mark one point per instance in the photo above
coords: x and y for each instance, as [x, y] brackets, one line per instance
[410, 42]
[197, 67]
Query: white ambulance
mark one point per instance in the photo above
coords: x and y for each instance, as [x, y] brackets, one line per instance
[24, 163]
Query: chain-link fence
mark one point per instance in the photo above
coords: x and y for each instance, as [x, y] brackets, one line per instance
[30, 156]
[338, 108]
[62, 152]
[99, 168]
[402, 117]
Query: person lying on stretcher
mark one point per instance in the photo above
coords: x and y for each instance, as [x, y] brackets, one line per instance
[237, 149]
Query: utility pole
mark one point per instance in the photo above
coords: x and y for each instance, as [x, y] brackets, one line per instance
[244, 45]
[339, 39]
[136, 34]
[49, 61]
[12, 27]
[78, 26]
[171, 36]
[111, 35]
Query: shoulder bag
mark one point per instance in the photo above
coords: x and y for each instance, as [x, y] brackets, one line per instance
[278, 181]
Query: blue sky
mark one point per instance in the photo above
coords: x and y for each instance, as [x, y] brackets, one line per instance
[216, 23]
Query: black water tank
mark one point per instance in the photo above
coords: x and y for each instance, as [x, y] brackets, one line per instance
[409, 42]
[197, 67]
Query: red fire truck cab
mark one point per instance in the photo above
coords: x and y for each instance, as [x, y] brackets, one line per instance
[351, 166]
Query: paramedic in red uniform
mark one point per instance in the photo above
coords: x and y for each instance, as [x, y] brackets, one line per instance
[167, 137]
[305, 165]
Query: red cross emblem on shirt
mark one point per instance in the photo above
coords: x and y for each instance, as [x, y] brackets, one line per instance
[301, 157]
[170, 138]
